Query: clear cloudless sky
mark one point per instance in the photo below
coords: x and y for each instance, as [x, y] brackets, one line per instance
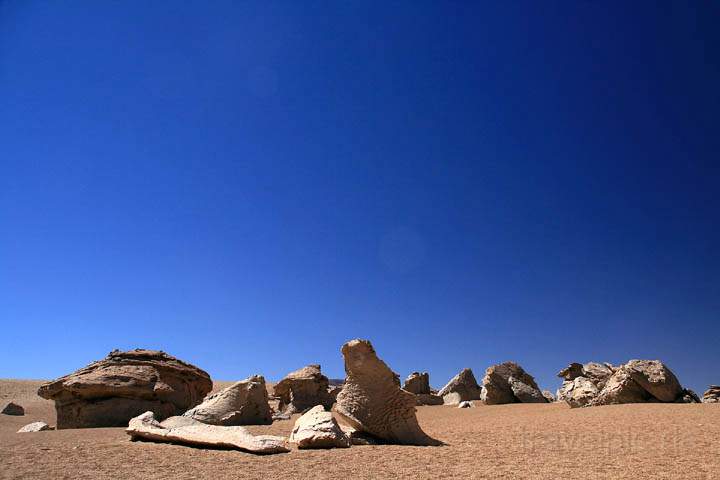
[248, 185]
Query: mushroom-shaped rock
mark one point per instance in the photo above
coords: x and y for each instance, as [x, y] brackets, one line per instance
[712, 394]
[417, 383]
[302, 389]
[13, 409]
[317, 428]
[460, 388]
[372, 402]
[509, 383]
[109, 392]
[242, 403]
[185, 430]
[35, 427]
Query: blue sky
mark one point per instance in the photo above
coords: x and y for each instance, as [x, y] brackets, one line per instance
[247, 185]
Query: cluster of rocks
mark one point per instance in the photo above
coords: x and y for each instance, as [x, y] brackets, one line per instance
[160, 398]
[637, 381]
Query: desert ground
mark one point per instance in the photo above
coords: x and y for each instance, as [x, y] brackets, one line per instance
[526, 441]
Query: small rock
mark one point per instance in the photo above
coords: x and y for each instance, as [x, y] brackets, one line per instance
[317, 428]
[13, 409]
[466, 404]
[35, 427]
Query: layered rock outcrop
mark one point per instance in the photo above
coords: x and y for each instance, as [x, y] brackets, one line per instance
[109, 392]
[712, 394]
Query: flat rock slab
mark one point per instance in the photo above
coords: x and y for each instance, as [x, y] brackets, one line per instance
[35, 427]
[184, 430]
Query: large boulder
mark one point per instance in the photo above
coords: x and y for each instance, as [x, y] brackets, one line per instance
[509, 383]
[13, 409]
[372, 402]
[578, 392]
[242, 403]
[109, 392]
[187, 431]
[712, 394]
[302, 389]
[417, 383]
[641, 381]
[582, 383]
[317, 428]
[462, 387]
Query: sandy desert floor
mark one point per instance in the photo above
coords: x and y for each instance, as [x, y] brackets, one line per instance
[495, 442]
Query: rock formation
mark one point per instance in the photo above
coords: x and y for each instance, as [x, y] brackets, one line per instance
[417, 382]
[35, 427]
[509, 383]
[109, 392]
[317, 428]
[460, 388]
[372, 402]
[428, 399]
[637, 381]
[13, 409]
[548, 396]
[712, 394]
[242, 403]
[185, 430]
[302, 389]
[582, 383]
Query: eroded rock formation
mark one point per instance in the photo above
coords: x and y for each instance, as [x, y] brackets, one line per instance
[109, 392]
[509, 383]
[302, 389]
[317, 428]
[712, 394]
[242, 403]
[371, 400]
[460, 388]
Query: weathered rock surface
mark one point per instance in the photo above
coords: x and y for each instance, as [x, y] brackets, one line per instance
[548, 396]
[35, 427]
[317, 428]
[372, 402]
[655, 378]
[509, 383]
[428, 399]
[460, 388]
[712, 394]
[417, 383]
[583, 382]
[185, 430]
[466, 404]
[242, 403]
[109, 392]
[688, 396]
[13, 409]
[579, 392]
[302, 389]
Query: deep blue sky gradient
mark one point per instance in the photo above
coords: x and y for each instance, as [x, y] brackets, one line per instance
[247, 185]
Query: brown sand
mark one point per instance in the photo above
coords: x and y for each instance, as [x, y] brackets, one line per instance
[497, 442]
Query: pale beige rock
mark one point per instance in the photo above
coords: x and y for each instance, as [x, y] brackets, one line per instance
[109, 392]
[184, 430]
[242, 403]
[548, 396]
[35, 427]
[302, 389]
[461, 387]
[317, 428]
[655, 378]
[372, 402]
[579, 392]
